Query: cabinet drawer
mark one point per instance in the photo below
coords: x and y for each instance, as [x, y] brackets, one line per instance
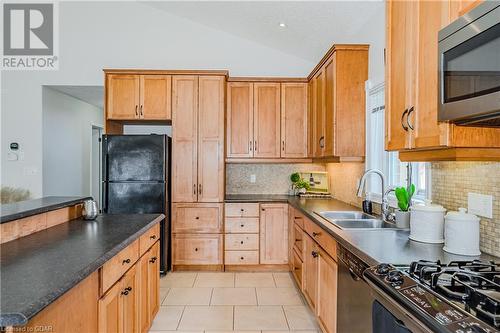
[242, 225]
[149, 238]
[326, 241]
[114, 268]
[197, 218]
[197, 249]
[297, 268]
[298, 242]
[242, 242]
[298, 219]
[242, 257]
[242, 209]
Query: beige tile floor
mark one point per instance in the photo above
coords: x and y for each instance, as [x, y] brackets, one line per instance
[232, 302]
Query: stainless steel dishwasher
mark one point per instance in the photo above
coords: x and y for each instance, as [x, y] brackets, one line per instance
[354, 298]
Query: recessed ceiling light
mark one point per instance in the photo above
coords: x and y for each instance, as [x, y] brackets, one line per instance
[282, 25]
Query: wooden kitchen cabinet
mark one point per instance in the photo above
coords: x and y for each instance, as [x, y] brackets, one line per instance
[239, 119]
[137, 97]
[122, 97]
[197, 218]
[326, 303]
[119, 307]
[267, 120]
[310, 274]
[294, 102]
[197, 249]
[274, 234]
[411, 109]
[198, 139]
[338, 104]
[149, 268]
[155, 97]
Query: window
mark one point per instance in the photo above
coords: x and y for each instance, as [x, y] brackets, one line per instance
[396, 172]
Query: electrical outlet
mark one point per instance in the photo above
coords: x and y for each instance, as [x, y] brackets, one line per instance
[253, 178]
[480, 204]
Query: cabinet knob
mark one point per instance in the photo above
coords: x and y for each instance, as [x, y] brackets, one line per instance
[315, 234]
[128, 289]
[153, 260]
[242, 210]
[125, 293]
[242, 258]
[126, 261]
[196, 249]
[242, 225]
[241, 242]
[197, 217]
[314, 254]
[153, 237]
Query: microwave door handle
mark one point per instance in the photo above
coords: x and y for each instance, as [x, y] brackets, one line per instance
[408, 118]
[402, 120]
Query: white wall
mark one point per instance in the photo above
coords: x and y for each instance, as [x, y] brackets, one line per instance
[67, 133]
[97, 35]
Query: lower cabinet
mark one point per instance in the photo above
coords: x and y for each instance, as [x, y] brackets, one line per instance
[315, 269]
[118, 308]
[132, 301]
[197, 249]
[326, 303]
[274, 233]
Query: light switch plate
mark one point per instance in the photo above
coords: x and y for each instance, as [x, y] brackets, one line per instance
[253, 178]
[480, 204]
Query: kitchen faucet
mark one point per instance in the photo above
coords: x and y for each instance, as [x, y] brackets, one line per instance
[386, 215]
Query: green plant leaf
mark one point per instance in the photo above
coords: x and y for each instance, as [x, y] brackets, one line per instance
[295, 177]
[402, 196]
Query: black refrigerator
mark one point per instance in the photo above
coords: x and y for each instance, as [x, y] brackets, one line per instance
[136, 180]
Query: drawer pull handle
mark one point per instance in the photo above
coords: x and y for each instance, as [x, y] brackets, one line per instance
[153, 260]
[125, 293]
[297, 217]
[242, 225]
[126, 261]
[314, 254]
[242, 258]
[298, 240]
[316, 234]
[128, 289]
[153, 237]
[196, 249]
[197, 217]
[242, 210]
[241, 242]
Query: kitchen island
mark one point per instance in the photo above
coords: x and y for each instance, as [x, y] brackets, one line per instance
[43, 267]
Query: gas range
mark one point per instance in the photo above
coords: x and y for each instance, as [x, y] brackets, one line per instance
[459, 297]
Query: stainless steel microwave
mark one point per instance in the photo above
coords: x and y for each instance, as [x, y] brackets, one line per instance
[469, 68]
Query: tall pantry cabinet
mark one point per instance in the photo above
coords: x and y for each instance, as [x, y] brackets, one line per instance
[197, 169]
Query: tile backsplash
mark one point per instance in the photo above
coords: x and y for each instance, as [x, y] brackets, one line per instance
[452, 181]
[269, 178]
[344, 179]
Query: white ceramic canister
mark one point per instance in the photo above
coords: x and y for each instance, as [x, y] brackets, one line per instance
[427, 223]
[461, 233]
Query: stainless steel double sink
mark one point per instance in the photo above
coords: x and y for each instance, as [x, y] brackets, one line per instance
[355, 220]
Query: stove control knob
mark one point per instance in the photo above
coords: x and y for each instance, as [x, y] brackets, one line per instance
[395, 277]
[383, 269]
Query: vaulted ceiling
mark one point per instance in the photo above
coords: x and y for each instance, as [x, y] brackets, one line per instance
[311, 26]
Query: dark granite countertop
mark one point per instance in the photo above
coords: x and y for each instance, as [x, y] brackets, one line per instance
[37, 269]
[18, 210]
[372, 246]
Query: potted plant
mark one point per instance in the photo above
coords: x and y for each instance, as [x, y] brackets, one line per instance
[404, 196]
[299, 184]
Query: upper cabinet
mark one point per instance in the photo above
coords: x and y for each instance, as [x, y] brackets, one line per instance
[337, 107]
[266, 120]
[137, 97]
[412, 87]
[198, 138]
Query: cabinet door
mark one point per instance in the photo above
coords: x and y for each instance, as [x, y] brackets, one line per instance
[274, 234]
[184, 138]
[122, 97]
[397, 51]
[153, 256]
[144, 293]
[310, 119]
[329, 112]
[240, 119]
[156, 97]
[130, 297]
[111, 310]
[294, 120]
[211, 139]
[267, 120]
[326, 306]
[319, 113]
[310, 274]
